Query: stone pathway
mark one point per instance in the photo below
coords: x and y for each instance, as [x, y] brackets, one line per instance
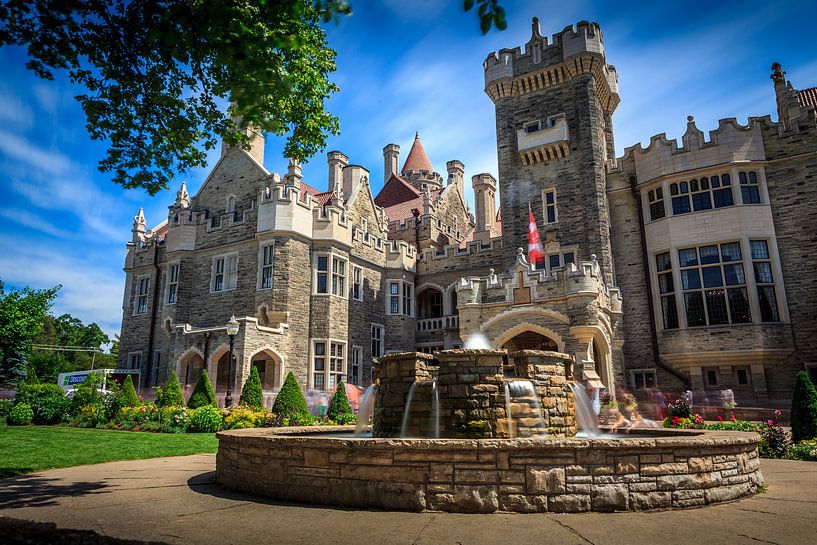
[174, 500]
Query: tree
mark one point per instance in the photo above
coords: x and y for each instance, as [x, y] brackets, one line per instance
[159, 73]
[127, 395]
[21, 318]
[339, 409]
[203, 394]
[69, 331]
[803, 409]
[171, 394]
[290, 402]
[252, 395]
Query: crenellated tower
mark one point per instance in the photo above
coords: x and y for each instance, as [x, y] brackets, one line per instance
[554, 103]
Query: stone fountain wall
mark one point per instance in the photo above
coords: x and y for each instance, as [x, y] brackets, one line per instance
[471, 388]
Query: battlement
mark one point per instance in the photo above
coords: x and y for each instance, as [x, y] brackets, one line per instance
[400, 255]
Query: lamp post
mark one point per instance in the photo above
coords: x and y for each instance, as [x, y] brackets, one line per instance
[232, 330]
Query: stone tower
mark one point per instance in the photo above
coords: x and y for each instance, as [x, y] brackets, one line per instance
[554, 103]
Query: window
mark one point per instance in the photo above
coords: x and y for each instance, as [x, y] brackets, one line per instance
[338, 277]
[742, 376]
[230, 206]
[643, 378]
[323, 268]
[568, 257]
[762, 266]
[550, 206]
[533, 127]
[656, 199]
[722, 191]
[407, 298]
[714, 285]
[354, 372]
[225, 273]
[701, 197]
[394, 297]
[666, 288]
[267, 257]
[680, 199]
[172, 283]
[711, 377]
[749, 188]
[319, 366]
[337, 369]
[142, 296]
[135, 360]
[701, 194]
[357, 283]
[377, 340]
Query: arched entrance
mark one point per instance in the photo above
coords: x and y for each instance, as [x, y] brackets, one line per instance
[429, 303]
[191, 367]
[530, 340]
[269, 369]
[221, 372]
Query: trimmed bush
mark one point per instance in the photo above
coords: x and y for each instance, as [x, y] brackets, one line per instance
[171, 394]
[48, 401]
[339, 409]
[21, 415]
[206, 419]
[803, 409]
[290, 402]
[127, 395]
[203, 394]
[252, 395]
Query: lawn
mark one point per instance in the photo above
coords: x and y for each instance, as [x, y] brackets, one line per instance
[34, 448]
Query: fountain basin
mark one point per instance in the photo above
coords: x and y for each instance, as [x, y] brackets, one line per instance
[652, 469]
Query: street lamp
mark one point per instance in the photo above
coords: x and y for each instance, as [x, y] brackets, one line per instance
[232, 331]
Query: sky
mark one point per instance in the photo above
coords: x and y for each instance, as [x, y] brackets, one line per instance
[403, 66]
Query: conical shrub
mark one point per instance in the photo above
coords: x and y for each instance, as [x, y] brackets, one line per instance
[290, 402]
[127, 396]
[339, 409]
[171, 394]
[203, 394]
[803, 409]
[252, 395]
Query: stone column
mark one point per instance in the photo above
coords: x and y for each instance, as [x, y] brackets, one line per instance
[395, 373]
[550, 373]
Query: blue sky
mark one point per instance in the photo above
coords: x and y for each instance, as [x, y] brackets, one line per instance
[403, 66]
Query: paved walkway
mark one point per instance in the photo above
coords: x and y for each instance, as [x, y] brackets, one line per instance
[174, 500]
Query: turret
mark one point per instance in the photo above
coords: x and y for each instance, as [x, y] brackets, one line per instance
[788, 107]
[139, 226]
[391, 155]
[337, 162]
[484, 198]
[456, 172]
[294, 173]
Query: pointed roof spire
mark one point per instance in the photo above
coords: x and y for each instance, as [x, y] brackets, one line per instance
[417, 159]
[138, 229]
[182, 197]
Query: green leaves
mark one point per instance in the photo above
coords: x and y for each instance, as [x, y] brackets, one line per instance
[490, 14]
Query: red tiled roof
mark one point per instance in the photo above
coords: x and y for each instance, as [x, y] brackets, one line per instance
[417, 159]
[808, 97]
[395, 191]
[323, 197]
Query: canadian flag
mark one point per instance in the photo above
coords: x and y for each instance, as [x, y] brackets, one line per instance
[536, 253]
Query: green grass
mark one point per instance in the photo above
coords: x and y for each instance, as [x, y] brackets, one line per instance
[34, 448]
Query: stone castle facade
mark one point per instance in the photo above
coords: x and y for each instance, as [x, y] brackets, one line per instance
[679, 265]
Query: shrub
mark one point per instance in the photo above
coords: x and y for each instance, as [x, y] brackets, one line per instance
[171, 394]
[203, 394]
[291, 403]
[732, 425]
[89, 415]
[680, 409]
[174, 419]
[21, 415]
[774, 441]
[136, 417]
[239, 419]
[803, 409]
[252, 395]
[692, 422]
[5, 407]
[206, 419]
[127, 394]
[48, 401]
[804, 450]
[87, 393]
[339, 409]
[265, 418]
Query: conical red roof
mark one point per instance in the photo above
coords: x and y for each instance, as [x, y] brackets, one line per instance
[417, 159]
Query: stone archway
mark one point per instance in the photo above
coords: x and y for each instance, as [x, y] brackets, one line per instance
[221, 379]
[530, 340]
[190, 367]
[270, 368]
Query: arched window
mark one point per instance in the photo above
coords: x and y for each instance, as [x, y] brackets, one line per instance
[230, 204]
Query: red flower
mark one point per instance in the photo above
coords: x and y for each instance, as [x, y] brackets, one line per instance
[720, 418]
[770, 422]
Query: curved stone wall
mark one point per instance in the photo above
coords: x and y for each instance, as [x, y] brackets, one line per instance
[676, 470]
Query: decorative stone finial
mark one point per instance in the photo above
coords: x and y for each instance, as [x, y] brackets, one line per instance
[139, 223]
[417, 135]
[520, 251]
[777, 73]
[182, 197]
[690, 119]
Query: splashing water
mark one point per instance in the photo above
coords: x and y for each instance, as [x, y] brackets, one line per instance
[365, 411]
[435, 409]
[477, 341]
[524, 389]
[586, 419]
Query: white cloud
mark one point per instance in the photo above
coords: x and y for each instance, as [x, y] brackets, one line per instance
[32, 221]
[22, 150]
[13, 110]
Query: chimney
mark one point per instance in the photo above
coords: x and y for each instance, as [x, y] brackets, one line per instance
[484, 190]
[353, 176]
[337, 161]
[456, 173]
[256, 150]
[391, 154]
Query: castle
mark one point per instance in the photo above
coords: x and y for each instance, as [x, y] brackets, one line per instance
[680, 265]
